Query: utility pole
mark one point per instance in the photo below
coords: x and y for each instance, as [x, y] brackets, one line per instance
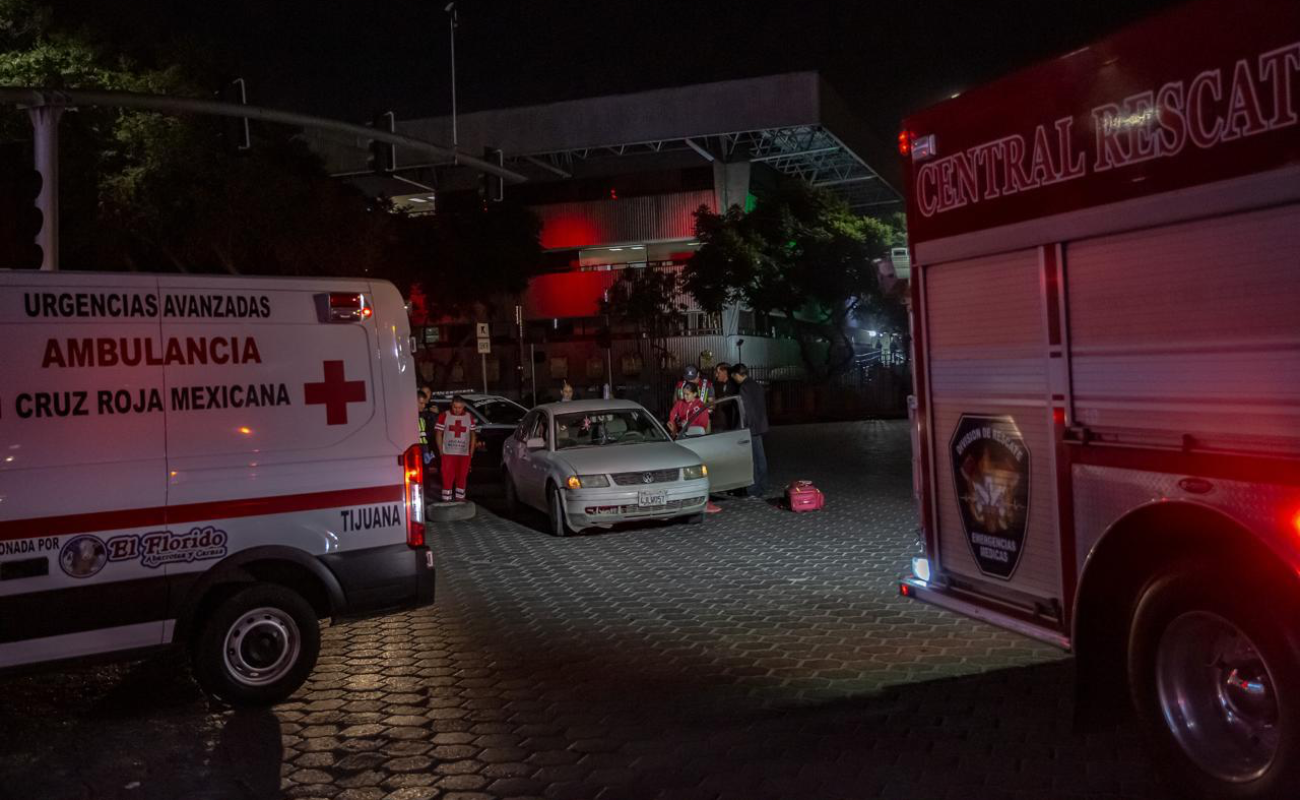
[45, 126]
[451, 19]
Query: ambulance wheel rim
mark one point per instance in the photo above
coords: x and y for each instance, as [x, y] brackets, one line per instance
[262, 646]
[1217, 697]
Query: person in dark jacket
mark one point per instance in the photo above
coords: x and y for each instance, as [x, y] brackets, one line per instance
[724, 415]
[751, 394]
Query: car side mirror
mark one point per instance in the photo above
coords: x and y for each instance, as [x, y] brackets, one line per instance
[535, 443]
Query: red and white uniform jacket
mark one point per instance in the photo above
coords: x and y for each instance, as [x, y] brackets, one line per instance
[456, 429]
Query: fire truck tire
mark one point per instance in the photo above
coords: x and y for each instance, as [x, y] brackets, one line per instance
[450, 512]
[257, 646]
[1214, 673]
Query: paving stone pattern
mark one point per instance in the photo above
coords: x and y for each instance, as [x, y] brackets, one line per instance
[763, 654]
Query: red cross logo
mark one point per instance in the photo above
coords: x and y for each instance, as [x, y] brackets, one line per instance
[335, 393]
[458, 428]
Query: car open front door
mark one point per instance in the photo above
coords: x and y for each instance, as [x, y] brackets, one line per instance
[728, 454]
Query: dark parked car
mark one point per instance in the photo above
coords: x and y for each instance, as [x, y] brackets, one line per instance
[496, 417]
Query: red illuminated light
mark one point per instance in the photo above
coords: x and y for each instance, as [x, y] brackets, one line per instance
[348, 307]
[904, 143]
[1058, 416]
[413, 480]
[1295, 523]
[904, 590]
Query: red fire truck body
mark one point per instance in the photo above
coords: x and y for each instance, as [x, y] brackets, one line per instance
[1106, 323]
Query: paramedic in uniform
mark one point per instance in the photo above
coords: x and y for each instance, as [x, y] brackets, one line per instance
[456, 438]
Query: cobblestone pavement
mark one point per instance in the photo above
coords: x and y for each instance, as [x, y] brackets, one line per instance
[762, 655]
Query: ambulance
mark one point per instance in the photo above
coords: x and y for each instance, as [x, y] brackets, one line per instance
[213, 463]
[1105, 299]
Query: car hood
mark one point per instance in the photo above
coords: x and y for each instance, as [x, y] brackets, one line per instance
[627, 458]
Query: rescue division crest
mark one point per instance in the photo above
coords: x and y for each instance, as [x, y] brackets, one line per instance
[990, 466]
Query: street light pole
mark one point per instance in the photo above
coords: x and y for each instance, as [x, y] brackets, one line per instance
[451, 19]
[45, 126]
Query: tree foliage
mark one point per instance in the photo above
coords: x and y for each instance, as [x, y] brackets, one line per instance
[800, 254]
[646, 298]
[155, 192]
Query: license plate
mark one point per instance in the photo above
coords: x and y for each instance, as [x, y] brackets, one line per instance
[651, 499]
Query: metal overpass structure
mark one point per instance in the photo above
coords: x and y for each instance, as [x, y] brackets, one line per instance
[793, 123]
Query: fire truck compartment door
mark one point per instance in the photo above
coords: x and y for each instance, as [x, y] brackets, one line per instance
[993, 451]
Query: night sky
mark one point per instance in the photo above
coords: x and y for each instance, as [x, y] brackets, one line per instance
[352, 58]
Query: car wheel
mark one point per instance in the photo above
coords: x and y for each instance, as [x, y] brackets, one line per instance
[1215, 678]
[512, 494]
[257, 646]
[555, 512]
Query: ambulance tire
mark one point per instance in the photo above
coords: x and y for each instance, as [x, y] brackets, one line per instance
[558, 523]
[258, 625]
[1202, 652]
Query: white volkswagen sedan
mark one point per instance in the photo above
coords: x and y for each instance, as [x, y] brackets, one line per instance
[594, 463]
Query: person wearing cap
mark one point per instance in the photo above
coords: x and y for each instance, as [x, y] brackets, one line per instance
[691, 374]
[751, 395]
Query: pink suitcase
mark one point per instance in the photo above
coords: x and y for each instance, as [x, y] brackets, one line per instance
[803, 496]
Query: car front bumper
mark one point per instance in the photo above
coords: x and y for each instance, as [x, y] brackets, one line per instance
[609, 506]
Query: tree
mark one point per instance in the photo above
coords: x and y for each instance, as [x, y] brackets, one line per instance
[156, 192]
[803, 255]
[469, 256]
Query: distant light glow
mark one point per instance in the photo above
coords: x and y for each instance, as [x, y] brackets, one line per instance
[244, 429]
[418, 200]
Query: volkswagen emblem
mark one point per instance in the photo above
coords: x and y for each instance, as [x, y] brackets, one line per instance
[647, 477]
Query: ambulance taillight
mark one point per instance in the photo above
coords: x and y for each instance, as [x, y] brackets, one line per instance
[349, 307]
[413, 481]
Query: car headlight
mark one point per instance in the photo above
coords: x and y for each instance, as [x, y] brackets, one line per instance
[696, 472]
[588, 481]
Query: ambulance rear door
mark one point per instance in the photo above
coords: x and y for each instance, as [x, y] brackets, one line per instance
[276, 436]
[82, 466]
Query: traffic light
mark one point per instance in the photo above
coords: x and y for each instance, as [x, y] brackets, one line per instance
[383, 155]
[20, 219]
[493, 186]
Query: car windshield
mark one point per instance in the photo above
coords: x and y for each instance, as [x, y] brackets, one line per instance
[598, 428]
[500, 412]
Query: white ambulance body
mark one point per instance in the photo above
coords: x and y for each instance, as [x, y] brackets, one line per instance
[1106, 320]
[212, 462]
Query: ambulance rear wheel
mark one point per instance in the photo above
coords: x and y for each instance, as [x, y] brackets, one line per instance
[1215, 677]
[257, 646]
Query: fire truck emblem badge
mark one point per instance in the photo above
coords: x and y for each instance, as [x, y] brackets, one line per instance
[990, 465]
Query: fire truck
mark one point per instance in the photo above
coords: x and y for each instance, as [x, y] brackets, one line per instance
[1105, 299]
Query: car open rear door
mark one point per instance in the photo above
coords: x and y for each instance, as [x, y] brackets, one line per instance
[728, 454]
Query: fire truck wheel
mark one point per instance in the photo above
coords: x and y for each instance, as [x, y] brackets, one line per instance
[258, 646]
[559, 525]
[1215, 676]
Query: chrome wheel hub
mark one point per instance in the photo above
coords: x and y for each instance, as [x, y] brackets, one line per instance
[262, 646]
[1217, 696]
